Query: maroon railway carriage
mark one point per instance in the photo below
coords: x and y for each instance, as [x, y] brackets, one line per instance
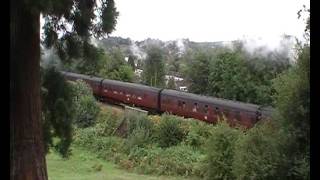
[208, 108]
[130, 93]
[117, 91]
[175, 102]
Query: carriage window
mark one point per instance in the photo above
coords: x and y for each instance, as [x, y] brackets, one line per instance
[216, 109]
[195, 107]
[183, 105]
[206, 109]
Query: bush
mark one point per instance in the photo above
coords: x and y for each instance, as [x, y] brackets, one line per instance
[139, 131]
[258, 153]
[139, 121]
[220, 152]
[107, 122]
[138, 138]
[175, 160]
[169, 131]
[105, 147]
[179, 160]
[198, 133]
[86, 106]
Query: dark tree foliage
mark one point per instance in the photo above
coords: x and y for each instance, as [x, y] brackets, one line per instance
[58, 111]
[74, 43]
[91, 62]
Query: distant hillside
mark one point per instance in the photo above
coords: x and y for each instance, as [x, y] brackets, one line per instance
[174, 48]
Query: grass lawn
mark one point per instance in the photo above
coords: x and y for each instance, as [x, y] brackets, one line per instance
[80, 166]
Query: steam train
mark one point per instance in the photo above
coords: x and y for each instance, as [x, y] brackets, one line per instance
[208, 109]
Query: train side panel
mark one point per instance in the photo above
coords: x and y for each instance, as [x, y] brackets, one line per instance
[185, 107]
[205, 109]
[127, 93]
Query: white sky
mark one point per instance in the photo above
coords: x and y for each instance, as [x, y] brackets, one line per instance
[208, 20]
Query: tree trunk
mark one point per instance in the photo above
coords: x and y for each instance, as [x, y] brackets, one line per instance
[27, 158]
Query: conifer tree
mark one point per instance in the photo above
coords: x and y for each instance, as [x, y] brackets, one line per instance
[27, 160]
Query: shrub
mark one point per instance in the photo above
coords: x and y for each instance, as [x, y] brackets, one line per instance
[258, 153]
[139, 121]
[105, 147]
[179, 160]
[138, 138]
[220, 152]
[198, 134]
[169, 132]
[107, 122]
[175, 160]
[86, 106]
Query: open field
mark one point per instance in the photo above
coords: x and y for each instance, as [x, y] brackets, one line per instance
[83, 165]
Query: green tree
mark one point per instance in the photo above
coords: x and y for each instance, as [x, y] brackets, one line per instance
[27, 160]
[58, 111]
[292, 101]
[126, 73]
[230, 78]
[236, 75]
[197, 73]
[153, 72]
[114, 67]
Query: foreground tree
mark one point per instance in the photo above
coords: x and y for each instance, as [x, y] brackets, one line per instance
[27, 160]
[292, 100]
[58, 111]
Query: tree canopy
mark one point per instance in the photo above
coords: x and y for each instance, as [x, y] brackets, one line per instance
[154, 72]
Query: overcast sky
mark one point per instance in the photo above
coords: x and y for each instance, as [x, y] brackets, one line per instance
[208, 20]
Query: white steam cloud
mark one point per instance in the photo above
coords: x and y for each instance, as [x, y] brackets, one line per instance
[50, 58]
[263, 46]
[180, 44]
[137, 51]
